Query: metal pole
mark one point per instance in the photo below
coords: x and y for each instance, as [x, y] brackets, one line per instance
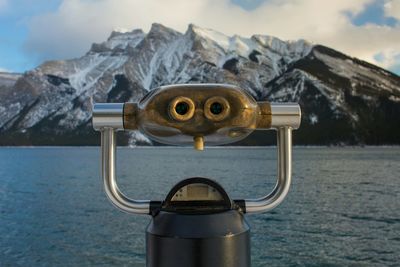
[108, 163]
[270, 201]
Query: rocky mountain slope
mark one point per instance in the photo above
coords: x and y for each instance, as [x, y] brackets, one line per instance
[344, 100]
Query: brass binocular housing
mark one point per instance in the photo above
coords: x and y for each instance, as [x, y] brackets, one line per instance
[196, 113]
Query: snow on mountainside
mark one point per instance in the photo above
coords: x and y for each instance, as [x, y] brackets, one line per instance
[344, 100]
[8, 79]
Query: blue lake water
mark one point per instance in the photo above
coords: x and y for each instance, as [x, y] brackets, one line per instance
[343, 208]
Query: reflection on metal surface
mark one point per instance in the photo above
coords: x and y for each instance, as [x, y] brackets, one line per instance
[285, 115]
[108, 158]
[197, 192]
[108, 115]
[231, 108]
[195, 114]
[273, 199]
[180, 114]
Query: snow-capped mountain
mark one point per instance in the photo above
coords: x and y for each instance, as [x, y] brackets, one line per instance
[8, 79]
[344, 100]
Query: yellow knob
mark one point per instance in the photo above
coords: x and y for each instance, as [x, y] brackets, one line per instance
[198, 143]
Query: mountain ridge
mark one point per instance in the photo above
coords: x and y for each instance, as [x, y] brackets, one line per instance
[51, 104]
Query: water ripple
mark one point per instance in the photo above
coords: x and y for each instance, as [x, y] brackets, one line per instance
[342, 210]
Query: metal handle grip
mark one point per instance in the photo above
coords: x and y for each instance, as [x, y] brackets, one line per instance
[109, 118]
[284, 177]
[108, 166]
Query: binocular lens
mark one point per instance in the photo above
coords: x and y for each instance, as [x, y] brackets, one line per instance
[182, 108]
[216, 108]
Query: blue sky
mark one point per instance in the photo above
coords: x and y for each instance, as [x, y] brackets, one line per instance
[31, 33]
[13, 32]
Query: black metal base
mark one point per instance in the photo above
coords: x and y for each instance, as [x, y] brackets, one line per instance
[205, 240]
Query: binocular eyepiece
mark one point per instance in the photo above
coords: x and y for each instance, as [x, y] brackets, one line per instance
[215, 108]
[181, 108]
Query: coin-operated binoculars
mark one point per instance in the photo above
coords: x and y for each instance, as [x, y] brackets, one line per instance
[197, 224]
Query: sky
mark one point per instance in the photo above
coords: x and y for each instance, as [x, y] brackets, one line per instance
[35, 31]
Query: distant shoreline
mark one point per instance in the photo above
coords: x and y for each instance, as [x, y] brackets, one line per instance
[212, 147]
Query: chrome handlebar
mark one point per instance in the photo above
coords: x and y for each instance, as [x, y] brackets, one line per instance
[108, 118]
[108, 167]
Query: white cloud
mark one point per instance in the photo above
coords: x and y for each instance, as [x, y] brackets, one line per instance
[392, 8]
[69, 31]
